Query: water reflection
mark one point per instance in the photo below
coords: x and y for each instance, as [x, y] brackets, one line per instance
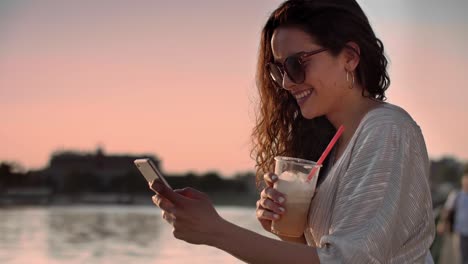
[95, 234]
[89, 227]
[104, 235]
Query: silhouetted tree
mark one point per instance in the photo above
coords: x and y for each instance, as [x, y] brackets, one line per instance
[11, 174]
[447, 169]
[211, 181]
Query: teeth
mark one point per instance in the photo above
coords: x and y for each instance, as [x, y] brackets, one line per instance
[303, 94]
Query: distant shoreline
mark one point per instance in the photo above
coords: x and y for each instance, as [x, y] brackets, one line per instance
[16, 200]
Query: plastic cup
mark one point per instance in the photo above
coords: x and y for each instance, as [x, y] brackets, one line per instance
[293, 182]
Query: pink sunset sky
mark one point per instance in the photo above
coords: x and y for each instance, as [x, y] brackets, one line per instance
[176, 78]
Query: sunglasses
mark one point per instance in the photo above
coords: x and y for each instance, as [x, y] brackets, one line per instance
[293, 66]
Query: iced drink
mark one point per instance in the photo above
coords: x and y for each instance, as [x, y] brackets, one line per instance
[292, 181]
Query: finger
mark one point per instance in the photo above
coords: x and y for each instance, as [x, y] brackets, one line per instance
[170, 218]
[263, 214]
[162, 203]
[269, 205]
[168, 214]
[258, 205]
[273, 194]
[270, 178]
[166, 192]
[192, 193]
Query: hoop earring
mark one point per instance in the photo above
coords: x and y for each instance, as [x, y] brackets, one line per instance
[352, 81]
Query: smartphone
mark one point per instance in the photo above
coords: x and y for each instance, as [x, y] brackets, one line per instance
[150, 171]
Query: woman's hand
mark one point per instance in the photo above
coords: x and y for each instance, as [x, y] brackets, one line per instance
[190, 212]
[442, 228]
[270, 206]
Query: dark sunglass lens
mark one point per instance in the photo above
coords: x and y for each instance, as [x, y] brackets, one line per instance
[294, 69]
[275, 73]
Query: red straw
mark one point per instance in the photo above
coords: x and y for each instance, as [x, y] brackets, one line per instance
[325, 153]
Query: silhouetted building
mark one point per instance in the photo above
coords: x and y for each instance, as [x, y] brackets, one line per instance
[101, 167]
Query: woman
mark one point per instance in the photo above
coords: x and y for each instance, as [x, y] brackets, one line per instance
[320, 66]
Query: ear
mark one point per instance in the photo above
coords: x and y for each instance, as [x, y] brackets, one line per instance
[351, 54]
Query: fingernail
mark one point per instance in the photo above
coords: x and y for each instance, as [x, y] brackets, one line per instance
[276, 216]
[281, 209]
[281, 200]
[274, 177]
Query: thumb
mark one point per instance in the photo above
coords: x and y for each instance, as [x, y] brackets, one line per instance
[192, 193]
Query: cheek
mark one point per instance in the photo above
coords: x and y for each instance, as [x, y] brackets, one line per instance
[329, 88]
[326, 76]
[333, 80]
[327, 84]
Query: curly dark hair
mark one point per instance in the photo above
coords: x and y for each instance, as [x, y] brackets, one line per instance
[280, 128]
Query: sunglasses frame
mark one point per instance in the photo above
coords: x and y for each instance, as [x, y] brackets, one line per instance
[280, 66]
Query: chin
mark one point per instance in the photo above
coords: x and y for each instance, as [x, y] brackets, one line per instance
[309, 113]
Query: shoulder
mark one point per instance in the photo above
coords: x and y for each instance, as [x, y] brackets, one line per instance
[388, 115]
[390, 128]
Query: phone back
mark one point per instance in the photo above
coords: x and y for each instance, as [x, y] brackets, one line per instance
[149, 171]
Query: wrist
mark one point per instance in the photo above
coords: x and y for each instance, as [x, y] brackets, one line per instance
[219, 233]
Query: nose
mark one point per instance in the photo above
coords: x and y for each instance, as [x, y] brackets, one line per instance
[287, 83]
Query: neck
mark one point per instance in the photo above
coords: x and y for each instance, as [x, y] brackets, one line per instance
[350, 112]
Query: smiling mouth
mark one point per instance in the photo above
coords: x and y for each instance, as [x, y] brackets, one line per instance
[303, 94]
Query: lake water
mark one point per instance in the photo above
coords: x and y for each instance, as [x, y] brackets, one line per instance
[105, 234]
